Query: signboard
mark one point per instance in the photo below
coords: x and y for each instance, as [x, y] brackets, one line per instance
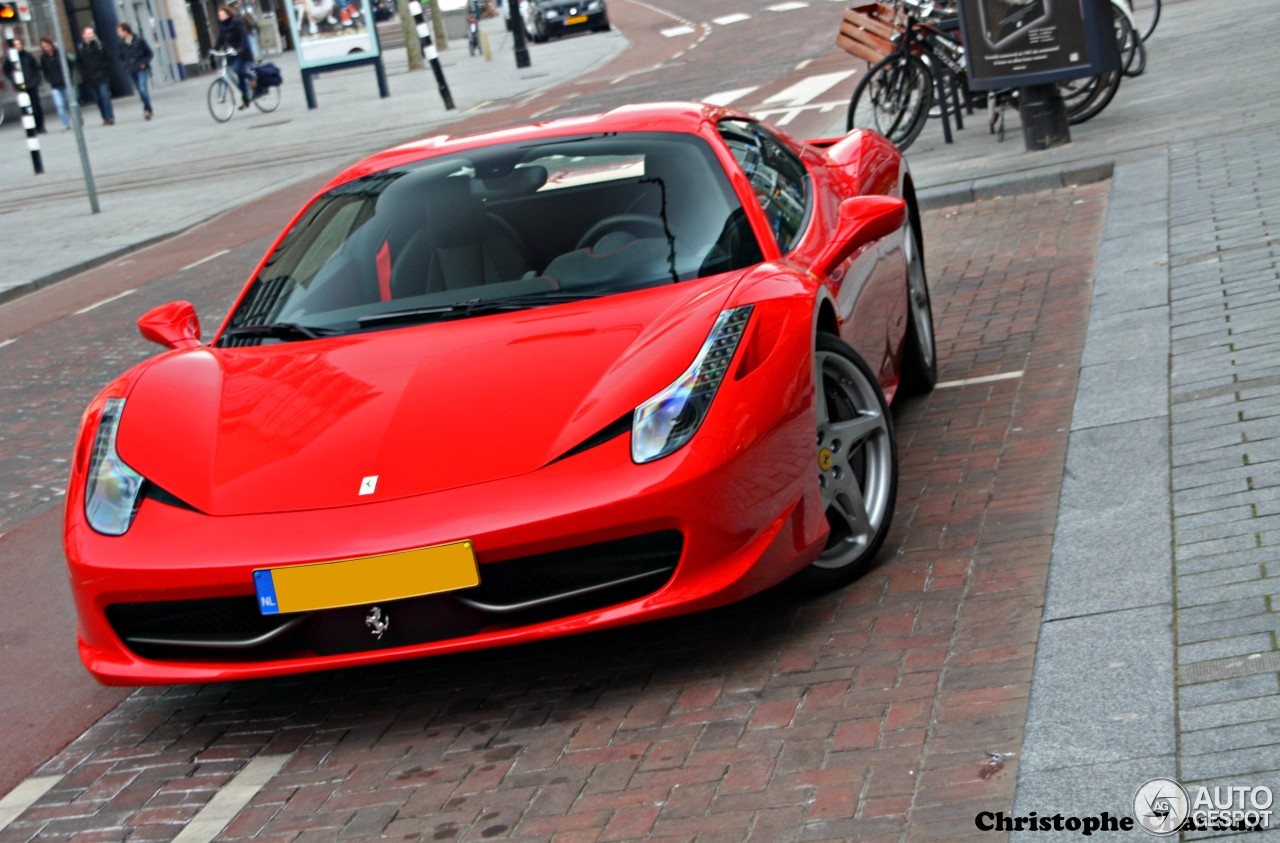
[1015, 43]
[331, 33]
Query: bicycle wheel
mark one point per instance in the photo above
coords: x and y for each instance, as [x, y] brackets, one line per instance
[893, 99]
[1086, 101]
[1133, 59]
[222, 100]
[269, 101]
[1146, 14]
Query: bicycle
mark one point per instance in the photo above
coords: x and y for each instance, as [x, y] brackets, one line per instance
[896, 95]
[473, 29]
[225, 87]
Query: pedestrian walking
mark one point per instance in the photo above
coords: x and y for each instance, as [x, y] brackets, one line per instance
[251, 25]
[135, 55]
[30, 78]
[232, 35]
[95, 70]
[51, 69]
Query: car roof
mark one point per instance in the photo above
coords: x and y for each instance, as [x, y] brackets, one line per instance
[683, 117]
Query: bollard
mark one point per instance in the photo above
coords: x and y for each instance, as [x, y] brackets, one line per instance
[24, 102]
[1044, 117]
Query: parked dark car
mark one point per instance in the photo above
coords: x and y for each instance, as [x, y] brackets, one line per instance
[551, 18]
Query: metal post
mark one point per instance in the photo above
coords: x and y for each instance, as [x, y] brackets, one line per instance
[517, 32]
[24, 100]
[424, 38]
[73, 109]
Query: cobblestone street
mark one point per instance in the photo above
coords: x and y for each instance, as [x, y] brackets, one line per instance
[866, 714]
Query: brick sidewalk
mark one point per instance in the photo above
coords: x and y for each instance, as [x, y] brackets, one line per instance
[865, 714]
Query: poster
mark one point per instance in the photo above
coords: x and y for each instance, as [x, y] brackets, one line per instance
[332, 32]
[1013, 43]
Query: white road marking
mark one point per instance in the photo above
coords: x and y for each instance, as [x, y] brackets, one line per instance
[729, 97]
[23, 797]
[786, 7]
[728, 19]
[1006, 376]
[204, 260]
[478, 106]
[806, 89]
[10, 341]
[789, 114]
[98, 304]
[228, 802]
[802, 65]
[677, 30]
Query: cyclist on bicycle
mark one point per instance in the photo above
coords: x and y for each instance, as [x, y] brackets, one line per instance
[232, 35]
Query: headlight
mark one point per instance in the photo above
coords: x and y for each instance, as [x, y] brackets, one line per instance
[593, 6]
[669, 419]
[114, 490]
[551, 14]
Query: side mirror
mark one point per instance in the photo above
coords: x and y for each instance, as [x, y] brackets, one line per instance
[862, 220]
[173, 325]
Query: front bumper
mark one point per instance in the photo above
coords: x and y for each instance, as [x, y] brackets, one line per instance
[582, 21]
[741, 500]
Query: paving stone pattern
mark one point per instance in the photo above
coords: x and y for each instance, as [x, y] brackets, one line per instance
[1224, 278]
[868, 714]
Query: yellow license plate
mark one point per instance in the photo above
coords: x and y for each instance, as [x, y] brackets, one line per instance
[576, 19]
[371, 579]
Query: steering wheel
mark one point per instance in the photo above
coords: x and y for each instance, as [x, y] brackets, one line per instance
[642, 225]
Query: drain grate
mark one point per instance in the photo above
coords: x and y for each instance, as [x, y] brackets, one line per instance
[1232, 668]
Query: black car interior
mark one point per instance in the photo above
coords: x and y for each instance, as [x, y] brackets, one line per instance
[597, 214]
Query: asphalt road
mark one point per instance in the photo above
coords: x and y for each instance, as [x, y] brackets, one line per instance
[57, 352]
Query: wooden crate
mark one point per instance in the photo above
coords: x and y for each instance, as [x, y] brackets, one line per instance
[867, 29]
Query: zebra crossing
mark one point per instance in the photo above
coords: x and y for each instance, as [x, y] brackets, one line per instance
[816, 100]
[739, 17]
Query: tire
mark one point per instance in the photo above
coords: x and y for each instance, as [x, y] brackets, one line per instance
[893, 99]
[222, 100]
[920, 355]
[269, 101]
[1094, 97]
[860, 478]
[1133, 58]
[1146, 14]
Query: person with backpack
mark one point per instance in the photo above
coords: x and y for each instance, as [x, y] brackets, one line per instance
[136, 56]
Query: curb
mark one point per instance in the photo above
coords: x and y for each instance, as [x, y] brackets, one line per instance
[1030, 181]
[27, 287]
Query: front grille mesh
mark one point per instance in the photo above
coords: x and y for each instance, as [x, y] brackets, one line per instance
[514, 592]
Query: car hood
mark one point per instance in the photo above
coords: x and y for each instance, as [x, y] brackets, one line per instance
[302, 425]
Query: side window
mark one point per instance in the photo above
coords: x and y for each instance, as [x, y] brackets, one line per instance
[777, 177]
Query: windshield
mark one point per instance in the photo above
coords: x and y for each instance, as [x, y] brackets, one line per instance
[525, 224]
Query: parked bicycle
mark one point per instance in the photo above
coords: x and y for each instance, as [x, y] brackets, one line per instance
[925, 55]
[473, 27]
[225, 88]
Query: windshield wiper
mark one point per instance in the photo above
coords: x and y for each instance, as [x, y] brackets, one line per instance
[279, 330]
[474, 307]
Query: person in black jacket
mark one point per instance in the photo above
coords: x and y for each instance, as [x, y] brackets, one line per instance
[95, 70]
[135, 54]
[30, 78]
[51, 68]
[232, 35]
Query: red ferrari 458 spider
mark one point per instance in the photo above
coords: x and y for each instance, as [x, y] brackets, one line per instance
[493, 389]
